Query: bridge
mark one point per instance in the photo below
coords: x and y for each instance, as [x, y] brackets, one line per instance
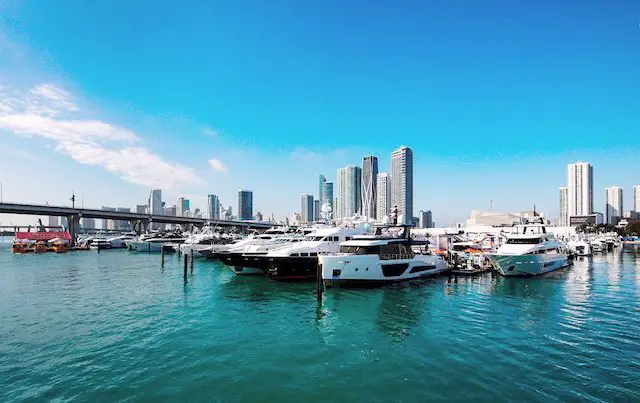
[139, 222]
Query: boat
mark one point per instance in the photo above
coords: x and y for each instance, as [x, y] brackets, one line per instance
[156, 242]
[40, 247]
[40, 241]
[299, 261]
[579, 248]
[598, 246]
[219, 251]
[389, 256]
[120, 241]
[529, 251]
[99, 243]
[250, 261]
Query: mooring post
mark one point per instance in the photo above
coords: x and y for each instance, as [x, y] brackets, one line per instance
[191, 257]
[319, 284]
[149, 247]
[162, 255]
[185, 265]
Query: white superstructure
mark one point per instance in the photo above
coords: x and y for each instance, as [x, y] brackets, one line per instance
[529, 251]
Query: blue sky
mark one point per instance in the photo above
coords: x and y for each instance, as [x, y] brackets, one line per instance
[495, 98]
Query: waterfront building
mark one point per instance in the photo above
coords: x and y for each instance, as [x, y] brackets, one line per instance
[259, 216]
[228, 214]
[170, 211]
[213, 207]
[123, 225]
[579, 189]
[402, 181]
[109, 224]
[155, 205]
[349, 191]
[635, 194]
[316, 210]
[88, 223]
[425, 219]
[613, 198]
[53, 221]
[383, 197]
[182, 207]
[306, 208]
[327, 197]
[369, 178]
[245, 205]
[142, 209]
[564, 208]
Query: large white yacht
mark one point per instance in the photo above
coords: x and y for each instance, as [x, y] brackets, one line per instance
[251, 260]
[529, 251]
[388, 256]
[299, 261]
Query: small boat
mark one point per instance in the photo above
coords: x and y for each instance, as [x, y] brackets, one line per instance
[529, 251]
[40, 247]
[597, 246]
[120, 241]
[22, 246]
[579, 248]
[156, 243]
[100, 243]
[60, 247]
[389, 256]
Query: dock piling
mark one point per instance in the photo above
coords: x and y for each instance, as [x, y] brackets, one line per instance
[191, 258]
[162, 256]
[319, 284]
[185, 265]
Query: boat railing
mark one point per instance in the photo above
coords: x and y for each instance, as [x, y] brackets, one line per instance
[396, 256]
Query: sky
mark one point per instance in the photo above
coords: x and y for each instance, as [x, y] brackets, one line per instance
[109, 99]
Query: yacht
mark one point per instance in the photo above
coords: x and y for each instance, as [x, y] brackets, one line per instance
[220, 250]
[579, 247]
[100, 243]
[155, 243]
[120, 241]
[529, 251]
[250, 260]
[299, 261]
[386, 257]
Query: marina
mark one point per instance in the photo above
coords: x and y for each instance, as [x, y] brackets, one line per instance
[123, 324]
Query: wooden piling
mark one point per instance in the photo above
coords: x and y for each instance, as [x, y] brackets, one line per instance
[191, 257]
[319, 284]
[162, 255]
[148, 247]
[185, 265]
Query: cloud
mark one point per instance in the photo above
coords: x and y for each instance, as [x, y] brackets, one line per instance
[48, 111]
[212, 132]
[217, 165]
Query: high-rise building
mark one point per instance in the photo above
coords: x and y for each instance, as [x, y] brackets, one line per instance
[383, 196]
[579, 189]
[171, 212]
[564, 208]
[155, 205]
[213, 207]
[349, 192]
[259, 216]
[321, 183]
[245, 205]
[614, 205]
[327, 197]
[402, 181]
[306, 208]
[228, 214]
[635, 194]
[182, 207]
[369, 178]
[123, 225]
[142, 209]
[425, 219]
[109, 224]
[88, 223]
[316, 210]
[54, 221]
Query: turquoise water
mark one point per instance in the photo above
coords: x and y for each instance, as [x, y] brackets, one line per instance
[116, 326]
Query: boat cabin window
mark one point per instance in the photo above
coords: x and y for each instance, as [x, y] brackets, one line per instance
[524, 241]
[360, 250]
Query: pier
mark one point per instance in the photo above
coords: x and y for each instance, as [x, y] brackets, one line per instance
[139, 222]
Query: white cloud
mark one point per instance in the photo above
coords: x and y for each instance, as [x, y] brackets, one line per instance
[212, 132]
[49, 112]
[217, 165]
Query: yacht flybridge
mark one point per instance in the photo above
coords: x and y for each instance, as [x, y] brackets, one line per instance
[391, 255]
[529, 251]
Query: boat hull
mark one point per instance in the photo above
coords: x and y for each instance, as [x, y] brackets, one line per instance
[244, 265]
[528, 265]
[293, 268]
[145, 246]
[369, 270]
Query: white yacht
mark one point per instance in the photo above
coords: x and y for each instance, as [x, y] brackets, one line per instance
[155, 243]
[251, 260]
[221, 250]
[529, 251]
[299, 261]
[120, 241]
[388, 256]
[579, 247]
[100, 242]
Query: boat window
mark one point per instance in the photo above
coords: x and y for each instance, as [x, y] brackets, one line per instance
[521, 241]
[360, 250]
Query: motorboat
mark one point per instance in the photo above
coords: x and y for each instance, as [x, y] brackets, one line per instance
[388, 256]
[598, 246]
[100, 243]
[579, 248]
[121, 241]
[299, 261]
[251, 260]
[218, 251]
[156, 243]
[529, 251]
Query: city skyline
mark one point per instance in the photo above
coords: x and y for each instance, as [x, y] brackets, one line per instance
[80, 103]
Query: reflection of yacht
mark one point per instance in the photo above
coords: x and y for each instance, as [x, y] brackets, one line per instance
[529, 251]
[381, 258]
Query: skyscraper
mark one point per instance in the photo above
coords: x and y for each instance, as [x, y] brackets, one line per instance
[564, 208]
[245, 205]
[110, 224]
[369, 178]
[613, 204]
[142, 209]
[349, 191]
[316, 210]
[635, 194]
[155, 205]
[402, 182]
[306, 208]
[321, 183]
[579, 189]
[182, 207]
[213, 207]
[383, 197]
[425, 218]
[88, 223]
[123, 225]
[327, 197]
[54, 221]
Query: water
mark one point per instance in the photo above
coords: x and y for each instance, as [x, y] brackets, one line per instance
[116, 326]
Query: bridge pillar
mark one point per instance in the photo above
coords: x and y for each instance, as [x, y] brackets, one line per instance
[74, 226]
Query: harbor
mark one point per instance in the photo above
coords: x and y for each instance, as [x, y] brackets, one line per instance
[78, 326]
